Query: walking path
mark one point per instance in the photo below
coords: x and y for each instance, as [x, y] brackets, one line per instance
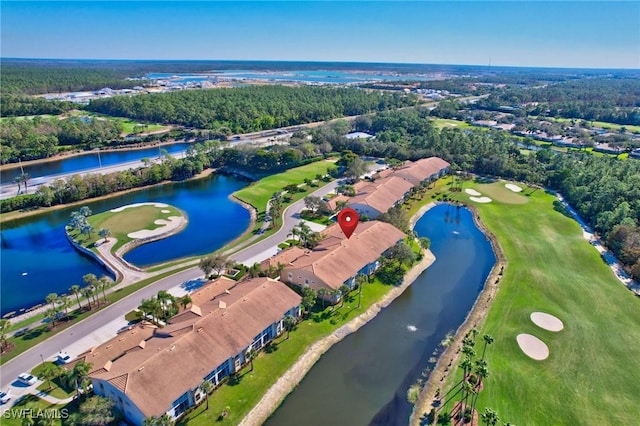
[607, 256]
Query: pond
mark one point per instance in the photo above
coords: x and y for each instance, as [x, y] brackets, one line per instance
[363, 380]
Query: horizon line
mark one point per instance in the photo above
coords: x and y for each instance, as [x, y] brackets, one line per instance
[489, 65]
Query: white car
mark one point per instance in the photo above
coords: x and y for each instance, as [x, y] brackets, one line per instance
[4, 397]
[27, 379]
[63, 358]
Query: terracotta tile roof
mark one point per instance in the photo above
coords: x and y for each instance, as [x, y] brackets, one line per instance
[178, 357]
[418, 171]
[284, 257]
[383, 193]
[336, 258]
[333, 203]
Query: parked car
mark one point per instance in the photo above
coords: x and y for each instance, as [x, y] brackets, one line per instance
[63, 358]
[27, 379]
[4, 397]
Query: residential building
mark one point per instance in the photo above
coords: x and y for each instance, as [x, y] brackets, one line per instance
[337, 260]
[150, 371]
[358, 135]
[375, 198]
[423, 170]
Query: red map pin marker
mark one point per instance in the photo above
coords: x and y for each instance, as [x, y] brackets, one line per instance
[348, 221]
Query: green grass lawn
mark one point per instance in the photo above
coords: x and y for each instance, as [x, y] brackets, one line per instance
[15, 416]
[446, 123]
[609, 126]
[128, 126]
[591, 376]
[122, 223]
[258, 193]
[241, 397]
[58, 389]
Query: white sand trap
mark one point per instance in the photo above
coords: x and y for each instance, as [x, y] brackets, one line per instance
[119, 209]
[512, 187]
[546, 321]
[472, 192]
[480, 199]
[165, 211]
[533, 347]
[170, 224]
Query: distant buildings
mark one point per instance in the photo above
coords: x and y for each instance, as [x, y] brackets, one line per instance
[151, 371]
[358, 135]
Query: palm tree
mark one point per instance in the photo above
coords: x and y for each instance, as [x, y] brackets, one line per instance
[25, 178]
[104, 282]
[250, 355]
[80, 375]
[87, 292]
[163, 298]
[28, 420]
[104, 233]
[49, 372]
[75, 290]
[289, 323]
[185, 301]
[52, 298]
[4, 326]
[468, 351]
[295, 232]
[488, 339]
[254, 270]
[207, 388]
[65, 303]
[481, 372]
[360, 280]
[322, 293]
[344, 290]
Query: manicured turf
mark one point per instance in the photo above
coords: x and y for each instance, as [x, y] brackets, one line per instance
[591, 376]
[498, 192]
[446, 123]
[122, 223]
[268, 367]
[32, 406]
[257, 194]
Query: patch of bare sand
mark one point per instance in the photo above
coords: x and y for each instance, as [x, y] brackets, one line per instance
[533, 347]
[472, 192]
[480, 199]
[547, 321]
[168, 225]
[512, 187]
[128, 206]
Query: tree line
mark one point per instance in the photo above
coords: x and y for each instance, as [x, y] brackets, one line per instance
[249, 109]
[604, 190]
[40, 137]
[613, 100]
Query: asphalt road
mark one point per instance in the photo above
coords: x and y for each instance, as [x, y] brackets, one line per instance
[47, 349]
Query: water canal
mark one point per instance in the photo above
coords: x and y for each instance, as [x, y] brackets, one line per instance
[37, 259]
[363, 380]
[90, 160]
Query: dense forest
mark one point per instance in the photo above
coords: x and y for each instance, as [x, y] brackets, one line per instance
[614, 100]
[604, 190]
[40, 137]
[250, 109]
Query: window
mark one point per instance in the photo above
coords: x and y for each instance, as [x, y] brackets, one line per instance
[306, 281]
[290, 275]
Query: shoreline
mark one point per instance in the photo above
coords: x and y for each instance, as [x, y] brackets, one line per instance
[476, 316]
[277, 393]
[17, 215]
[71, 154]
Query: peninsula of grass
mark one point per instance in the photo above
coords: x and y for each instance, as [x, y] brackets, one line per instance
[258, 193]
[591, 374]
[121, 223]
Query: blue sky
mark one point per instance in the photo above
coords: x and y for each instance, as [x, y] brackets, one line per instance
[518, 33]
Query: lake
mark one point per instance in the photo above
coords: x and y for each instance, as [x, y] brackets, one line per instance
[89, 160]
[37, 259]
[363, 380]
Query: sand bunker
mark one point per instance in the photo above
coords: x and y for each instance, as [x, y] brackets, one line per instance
[533, 347]
[480, 199]
[165, 211]
[119, 209]
[546, 321]
[171, 223]
[512, 187]
[472, 192]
